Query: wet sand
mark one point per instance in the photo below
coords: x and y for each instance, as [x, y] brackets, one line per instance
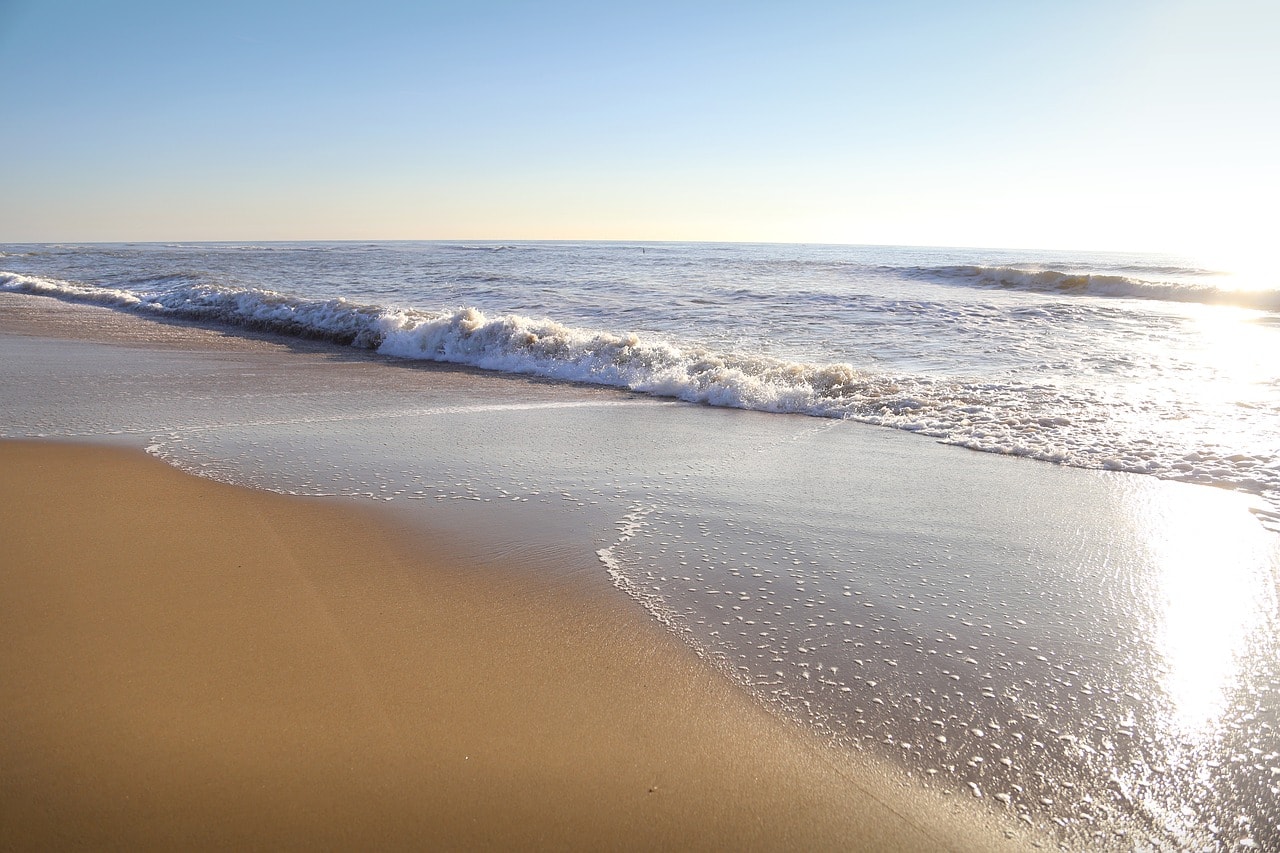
[188, 664]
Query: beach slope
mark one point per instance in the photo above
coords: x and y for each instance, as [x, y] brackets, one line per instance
[188, 664]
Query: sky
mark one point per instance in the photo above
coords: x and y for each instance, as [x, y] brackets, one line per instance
[1123, 124]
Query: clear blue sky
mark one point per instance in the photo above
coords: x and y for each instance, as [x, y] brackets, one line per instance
[1119, 124]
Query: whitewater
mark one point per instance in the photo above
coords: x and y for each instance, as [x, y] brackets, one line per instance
[1137, 363]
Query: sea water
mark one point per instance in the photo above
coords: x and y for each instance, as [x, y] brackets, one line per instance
[1125, 362]
[1080, 650]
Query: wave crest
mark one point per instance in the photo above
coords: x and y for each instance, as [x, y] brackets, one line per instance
[517, 344]
[1048, 280]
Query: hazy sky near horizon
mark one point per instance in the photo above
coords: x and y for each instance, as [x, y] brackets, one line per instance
[1122, 124]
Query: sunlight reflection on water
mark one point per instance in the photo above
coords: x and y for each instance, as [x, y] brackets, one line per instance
[1207, 594]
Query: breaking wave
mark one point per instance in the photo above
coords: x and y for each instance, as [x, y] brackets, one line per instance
[509, 343]
[1113, 284]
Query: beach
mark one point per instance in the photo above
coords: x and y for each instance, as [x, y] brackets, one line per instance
[194, 665]
[198, 665]
[573, 426]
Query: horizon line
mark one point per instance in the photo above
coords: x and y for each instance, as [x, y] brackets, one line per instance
[565, 240]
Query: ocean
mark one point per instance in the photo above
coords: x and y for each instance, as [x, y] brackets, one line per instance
[1090, 645]
[1124, 362]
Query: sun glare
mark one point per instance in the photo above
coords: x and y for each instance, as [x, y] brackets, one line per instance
[1207, 591]
[1240, 265]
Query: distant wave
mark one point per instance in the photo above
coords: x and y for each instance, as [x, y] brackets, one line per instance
[1036, 421]
[1165, 269]
[1048, 280]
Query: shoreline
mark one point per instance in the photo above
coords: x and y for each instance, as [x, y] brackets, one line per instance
[199, 665]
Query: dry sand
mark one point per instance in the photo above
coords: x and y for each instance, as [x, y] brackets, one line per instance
[188, 664]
